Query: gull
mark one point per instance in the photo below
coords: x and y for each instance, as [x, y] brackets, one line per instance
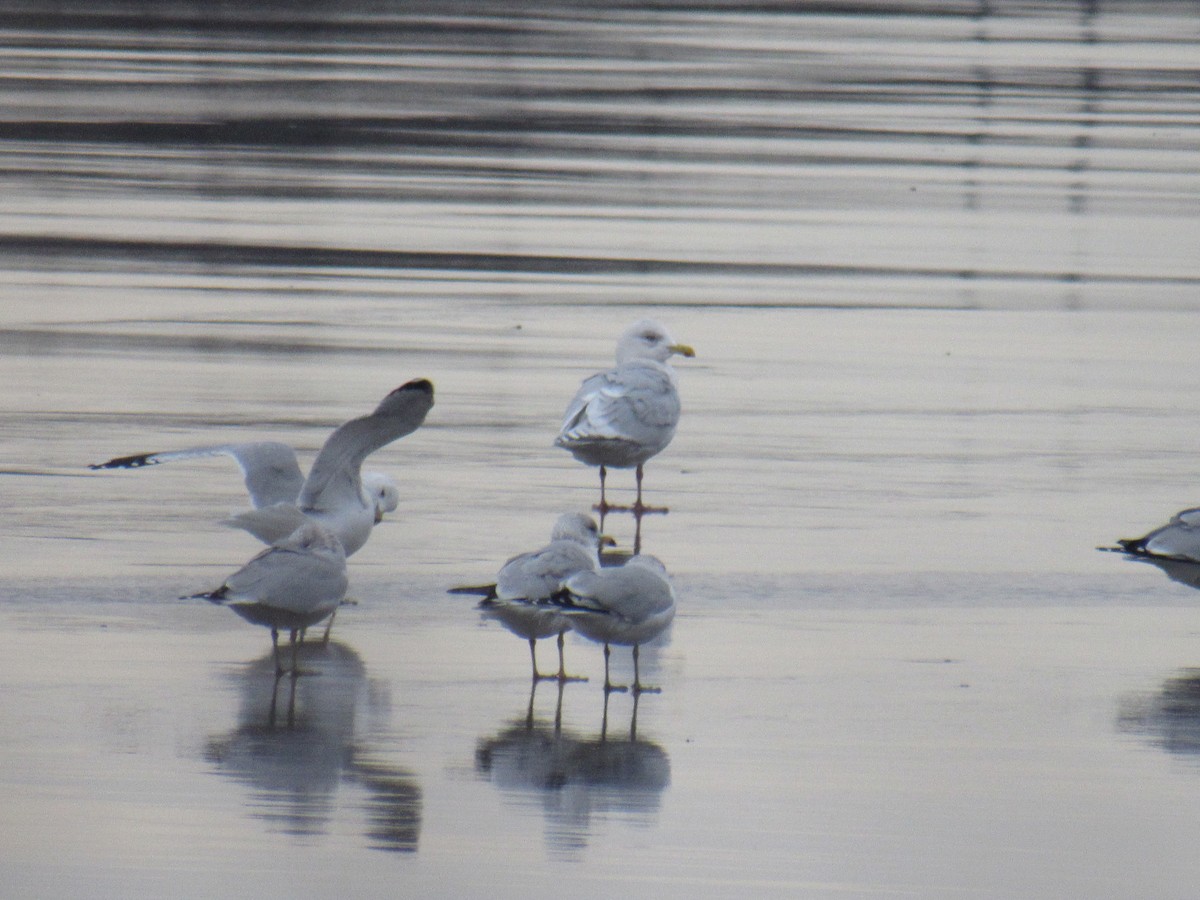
[269, 469]
[1178, 540]
[335, 493]
[621, 418]
[291, 585]
[524, 580]
[625, 605]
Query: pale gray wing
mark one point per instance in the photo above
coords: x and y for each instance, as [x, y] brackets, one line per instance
[291, 580]
[335, 481]
[636, 402]
[1180, 539]
[537, 575]
[633, 593]
[269, 469]
[270, 524]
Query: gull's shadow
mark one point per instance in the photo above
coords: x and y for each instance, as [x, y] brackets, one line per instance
[1168, 718]
[295, 745]
[575, 777]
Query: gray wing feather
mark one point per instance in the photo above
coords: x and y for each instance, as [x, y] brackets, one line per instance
[636, 402]
[537, 575]
[269, 469]
[287, 579]
[336, 480]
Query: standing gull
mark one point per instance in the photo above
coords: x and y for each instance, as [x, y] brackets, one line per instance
[531, 577]
[336, 493]
[291, 585]
[621, 418]
[626, 605]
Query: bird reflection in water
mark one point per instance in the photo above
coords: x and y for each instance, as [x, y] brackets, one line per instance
[295, 746]
[1169, 718]
[575, 777]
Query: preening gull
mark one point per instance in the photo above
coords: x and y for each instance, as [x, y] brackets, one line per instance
[625, 605]
[621, 418]
[335, 493]
[291, 585]
[531, 577]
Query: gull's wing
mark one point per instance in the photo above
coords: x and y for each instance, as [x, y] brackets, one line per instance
[335, 481]
[635, 402]
[270, 524]
[290, 580]
[633, 593]
[1178, 539]
[269, 468]
[537, 575]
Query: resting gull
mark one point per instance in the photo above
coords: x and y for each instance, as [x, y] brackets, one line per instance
[625, 605]
[531, 577]
[291, 585]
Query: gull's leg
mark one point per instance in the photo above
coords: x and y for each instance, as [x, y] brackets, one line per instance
[639, 507]
[537, 676]
[562, 670]
[275, 650]
[329, 627]
[608, 685]
[603, 507]
[637, 681]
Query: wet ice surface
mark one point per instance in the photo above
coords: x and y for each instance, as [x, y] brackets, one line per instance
[942, 309]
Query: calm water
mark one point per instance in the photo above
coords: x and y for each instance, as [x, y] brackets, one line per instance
[938, 261]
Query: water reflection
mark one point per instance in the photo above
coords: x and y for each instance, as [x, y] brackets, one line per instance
[575, 777]
[294, 747]
[709, 151]
[1181, 570]
[1169, 718]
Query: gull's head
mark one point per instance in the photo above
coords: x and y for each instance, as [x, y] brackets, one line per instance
[382, 493]
[311, 537]
[582, 529]
[648, 339]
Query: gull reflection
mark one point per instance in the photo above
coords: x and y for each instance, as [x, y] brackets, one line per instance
[575, 777]
[1169, 718]
[1184, 571]
[294, 746]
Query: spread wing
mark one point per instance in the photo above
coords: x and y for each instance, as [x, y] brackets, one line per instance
[269, 469]
[335, 481]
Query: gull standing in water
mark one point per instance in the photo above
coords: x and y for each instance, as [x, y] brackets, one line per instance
[291, 585]
[531, 577]
[621, 418]
[626, 605]
[1178, 540]
[336, 493]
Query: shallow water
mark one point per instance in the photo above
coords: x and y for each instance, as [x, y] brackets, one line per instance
[939, 266]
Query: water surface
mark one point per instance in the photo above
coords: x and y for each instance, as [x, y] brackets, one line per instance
[938, 262]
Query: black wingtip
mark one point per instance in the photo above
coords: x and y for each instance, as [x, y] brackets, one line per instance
[211, 596]
[487, 591]
[417, 384]
[125, 462]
